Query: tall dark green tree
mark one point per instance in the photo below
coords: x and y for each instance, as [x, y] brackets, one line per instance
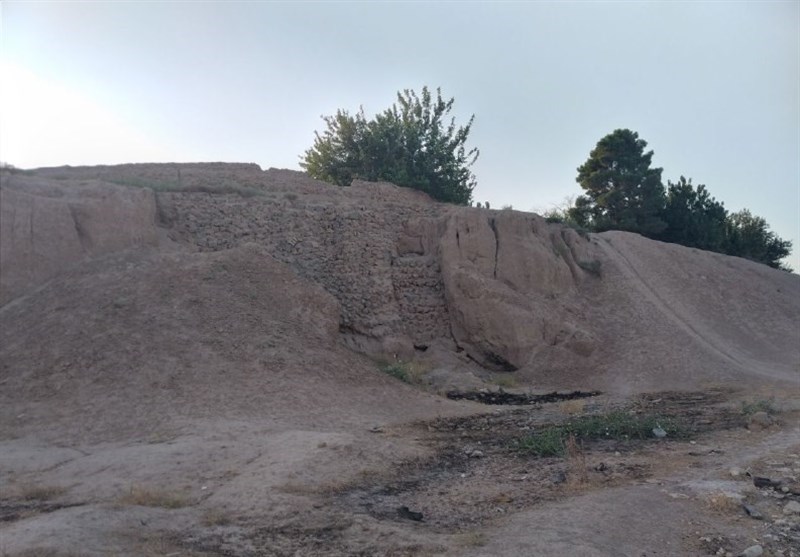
[622, 191]
[749, 236]
[411, 144]
[693, 217]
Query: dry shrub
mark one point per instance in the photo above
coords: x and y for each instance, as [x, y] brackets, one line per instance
[145, 497]
[724, 503]
[572, 407]
[38, 492]
[576, 462]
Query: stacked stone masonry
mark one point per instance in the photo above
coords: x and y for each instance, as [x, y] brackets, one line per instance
[350, 250]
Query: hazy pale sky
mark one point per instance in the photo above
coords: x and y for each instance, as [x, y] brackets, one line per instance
[713, 87]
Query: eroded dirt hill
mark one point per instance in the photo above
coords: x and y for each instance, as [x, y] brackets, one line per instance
[503, 288]
[216, 332]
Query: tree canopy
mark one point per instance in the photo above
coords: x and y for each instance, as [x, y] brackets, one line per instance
[749, 236]
[622, 191]
[693, 217]
[410, 144]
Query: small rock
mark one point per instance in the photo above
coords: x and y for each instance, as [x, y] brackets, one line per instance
[759, 421]
[752, 551]
[792, 507]
[659, 432]
[735, 472]
[759, 481]
[405, 512]
[752, 512]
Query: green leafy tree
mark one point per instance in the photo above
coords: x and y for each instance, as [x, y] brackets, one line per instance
[749, 236]
[693, 217]
[622, 191]
[410, 144]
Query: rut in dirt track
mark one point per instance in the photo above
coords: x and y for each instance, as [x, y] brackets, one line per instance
[703, 336]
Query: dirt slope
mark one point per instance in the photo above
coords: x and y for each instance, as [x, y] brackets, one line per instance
[190, 364]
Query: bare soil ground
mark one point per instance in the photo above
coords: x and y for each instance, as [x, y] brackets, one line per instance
[163, 400]
[447, 485]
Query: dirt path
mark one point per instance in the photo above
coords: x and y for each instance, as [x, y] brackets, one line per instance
[695, 328]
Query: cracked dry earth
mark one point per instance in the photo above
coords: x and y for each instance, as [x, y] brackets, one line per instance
[467, 488]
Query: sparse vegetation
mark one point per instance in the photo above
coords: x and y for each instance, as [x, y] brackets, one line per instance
[572, 407]
[763, 405]
[576, 458]
[617, 424]
[39, 492]
[473, 539]
[407, 372]
[548, 442]
[505, 381]
[216, 517]
[147, 497]
[724, 503]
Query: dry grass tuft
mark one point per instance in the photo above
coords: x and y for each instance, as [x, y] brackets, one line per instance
[505, 381]
[216, 517]
[576, 462]
[412, 373]
[472, 539]
[572, 407]
[145, 497]
[39, 492]
[724, 503]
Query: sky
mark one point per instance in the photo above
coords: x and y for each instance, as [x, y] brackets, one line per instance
[713, 87]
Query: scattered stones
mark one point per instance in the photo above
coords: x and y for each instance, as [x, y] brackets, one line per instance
[753, 551]
[792, 507]
[752, 512]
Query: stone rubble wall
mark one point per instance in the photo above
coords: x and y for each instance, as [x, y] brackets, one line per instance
[349, 248]
[406, 271]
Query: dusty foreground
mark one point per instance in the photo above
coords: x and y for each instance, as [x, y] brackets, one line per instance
[243, 488]
[215, 360]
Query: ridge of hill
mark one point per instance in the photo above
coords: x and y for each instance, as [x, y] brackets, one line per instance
[191, 356]
[502, 289]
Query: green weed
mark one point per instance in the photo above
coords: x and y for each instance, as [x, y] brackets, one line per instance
[618, 425]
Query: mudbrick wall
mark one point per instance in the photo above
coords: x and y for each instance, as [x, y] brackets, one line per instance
[346, 246]
[406, 270]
